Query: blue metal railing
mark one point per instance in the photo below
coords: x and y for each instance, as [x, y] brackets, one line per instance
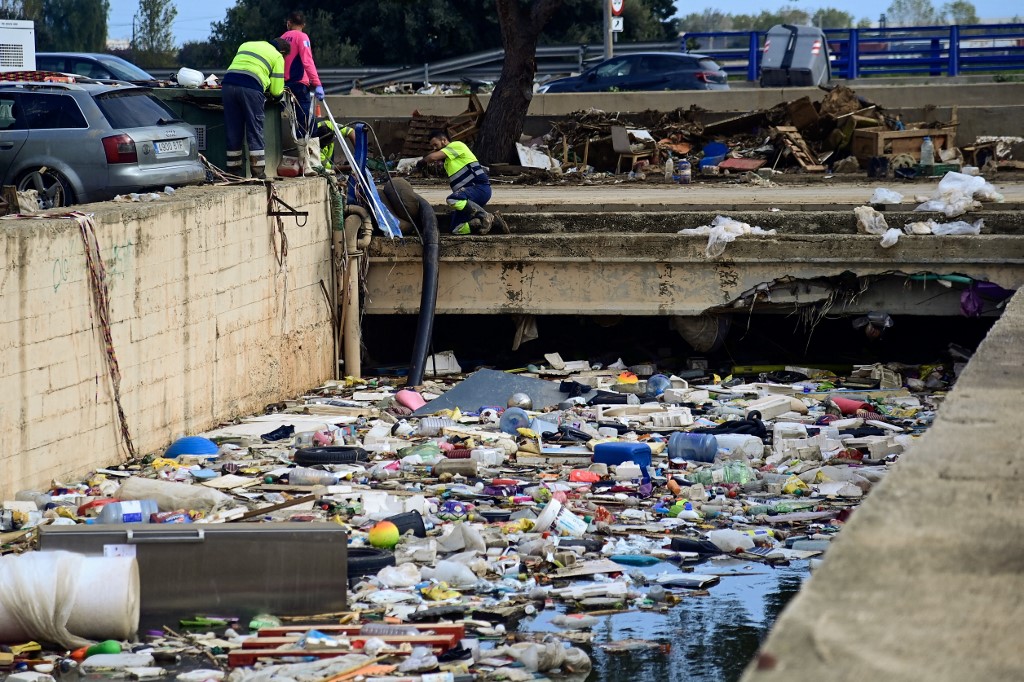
[930, 50]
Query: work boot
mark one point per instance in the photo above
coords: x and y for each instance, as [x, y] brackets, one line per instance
[258, 166]
[485, 218]
[462, 229]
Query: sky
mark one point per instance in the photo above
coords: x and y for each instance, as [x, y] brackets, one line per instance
[195, 16]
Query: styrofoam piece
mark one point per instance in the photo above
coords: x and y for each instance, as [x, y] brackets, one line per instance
[770, 406]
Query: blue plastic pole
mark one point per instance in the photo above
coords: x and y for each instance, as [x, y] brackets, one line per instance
[752, 55]
[954, 50]
[853, 55]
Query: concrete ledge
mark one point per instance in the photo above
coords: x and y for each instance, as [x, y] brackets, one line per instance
[206, 323]
[925, 583]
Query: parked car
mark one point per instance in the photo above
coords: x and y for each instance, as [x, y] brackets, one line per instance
[78, 142]
[646, 71]
[91, 65]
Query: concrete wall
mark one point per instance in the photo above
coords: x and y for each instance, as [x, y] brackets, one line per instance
[348, 107]
[206, 325]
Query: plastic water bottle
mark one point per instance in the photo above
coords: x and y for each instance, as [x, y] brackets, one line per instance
[928, 154]
[304, 476]
[656, 385]
[669, 165]
[128, 511]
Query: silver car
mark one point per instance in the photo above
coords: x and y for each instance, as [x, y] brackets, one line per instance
[83, 142]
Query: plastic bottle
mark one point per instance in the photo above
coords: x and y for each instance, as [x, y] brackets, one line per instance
[669, 166]
[927, 154]
[514, 418]
[729, 540]
[128, 511]
[695, 447]
[304, 476]
[683, 172]
[656, 385]
[730, 472]
[739, 446]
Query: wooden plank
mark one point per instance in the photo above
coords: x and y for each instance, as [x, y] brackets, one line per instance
[452, 629]
[443, 642]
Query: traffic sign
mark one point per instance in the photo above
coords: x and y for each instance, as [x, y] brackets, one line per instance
[617, 8]
[617, 23]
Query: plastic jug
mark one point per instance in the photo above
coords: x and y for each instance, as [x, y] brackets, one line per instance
[739, 446]
[128, 511]
[619, 452]
[695, 447]
[927, 152]
[514, 418]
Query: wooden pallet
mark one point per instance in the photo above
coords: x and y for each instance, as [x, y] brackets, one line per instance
[461, 127]
[873, 142]
[794, 141]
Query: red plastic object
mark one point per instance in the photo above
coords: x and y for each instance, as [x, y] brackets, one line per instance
[848, 406]
[458, 453]
[583, 476]
[94, 505]
[410, 399]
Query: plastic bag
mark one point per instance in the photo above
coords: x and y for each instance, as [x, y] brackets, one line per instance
[958, 227]
[958, 193]
[721, 231]
[885, 196]
[870, 221]
[404, 575]
[891, 236]
[172, 496]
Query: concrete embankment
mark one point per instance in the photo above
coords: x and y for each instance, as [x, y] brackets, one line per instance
[925, 582]
[214, 312]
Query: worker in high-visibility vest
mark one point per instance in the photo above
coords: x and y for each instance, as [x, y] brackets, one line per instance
[256, 72]
[325, 133]
[471, 187]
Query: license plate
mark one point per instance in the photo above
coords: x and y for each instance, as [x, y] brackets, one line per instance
[171, 147]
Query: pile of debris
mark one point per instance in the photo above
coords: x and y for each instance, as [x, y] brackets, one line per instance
[369, 529]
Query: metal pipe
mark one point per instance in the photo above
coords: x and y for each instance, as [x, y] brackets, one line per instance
[353, 332]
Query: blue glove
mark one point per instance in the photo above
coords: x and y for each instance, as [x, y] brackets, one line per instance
[320, 92]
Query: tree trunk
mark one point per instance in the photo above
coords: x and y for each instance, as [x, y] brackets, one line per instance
[521, 24]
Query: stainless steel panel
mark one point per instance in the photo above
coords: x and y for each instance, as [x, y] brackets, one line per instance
[237, 569]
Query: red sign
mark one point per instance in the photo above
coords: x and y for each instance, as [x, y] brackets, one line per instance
[617, 7]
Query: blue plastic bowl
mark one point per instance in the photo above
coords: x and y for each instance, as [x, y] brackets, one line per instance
[192, 445]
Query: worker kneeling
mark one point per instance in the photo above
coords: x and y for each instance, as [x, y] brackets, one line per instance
[471, 188]
[326, 135]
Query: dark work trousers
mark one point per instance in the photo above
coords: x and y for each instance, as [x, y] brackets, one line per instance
[479, 194]
[301, 93]
[243, 117]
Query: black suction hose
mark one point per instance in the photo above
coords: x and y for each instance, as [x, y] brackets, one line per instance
[428, 295]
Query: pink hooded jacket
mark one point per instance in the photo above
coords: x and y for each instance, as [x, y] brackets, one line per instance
[298, 64]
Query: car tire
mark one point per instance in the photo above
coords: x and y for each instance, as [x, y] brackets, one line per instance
[53, 188]
[332, 454]
[367, 561]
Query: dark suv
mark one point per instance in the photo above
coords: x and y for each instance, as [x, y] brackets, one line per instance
[78, 142]
[646, 71]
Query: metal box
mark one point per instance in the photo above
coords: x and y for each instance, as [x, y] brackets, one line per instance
[232, 569]
[795, 56]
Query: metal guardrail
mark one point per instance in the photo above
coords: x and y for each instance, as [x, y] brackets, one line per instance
[928, 50]
[856, 53]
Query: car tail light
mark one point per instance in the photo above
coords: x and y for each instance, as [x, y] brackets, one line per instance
[120, 149]
[707, 76]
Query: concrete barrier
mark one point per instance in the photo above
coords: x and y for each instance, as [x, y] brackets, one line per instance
[206, 324]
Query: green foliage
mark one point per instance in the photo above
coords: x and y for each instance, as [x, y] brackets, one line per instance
[829, 17]
[200, 54]
[913, 13]
[63, 25]
[960, 12]
[153, 37]
[410, 32]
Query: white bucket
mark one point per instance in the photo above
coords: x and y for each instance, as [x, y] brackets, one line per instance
[560, 520]
[190, 78]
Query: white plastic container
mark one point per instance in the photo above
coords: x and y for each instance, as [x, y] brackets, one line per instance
[488, 456]
[304, 476]
[739, 446]
[190, 78]
[730, 540]
[129, 511]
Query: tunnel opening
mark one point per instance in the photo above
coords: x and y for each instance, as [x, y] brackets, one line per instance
[751, 340]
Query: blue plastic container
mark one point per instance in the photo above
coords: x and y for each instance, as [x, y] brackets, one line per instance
[192, 445]
[695, 447]
[617, 453]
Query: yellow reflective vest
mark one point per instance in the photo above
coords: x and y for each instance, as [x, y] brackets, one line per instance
[261, 59]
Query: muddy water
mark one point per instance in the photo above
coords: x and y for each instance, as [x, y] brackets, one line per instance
[703, 638]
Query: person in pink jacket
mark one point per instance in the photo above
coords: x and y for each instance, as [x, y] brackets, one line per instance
[300, 74]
